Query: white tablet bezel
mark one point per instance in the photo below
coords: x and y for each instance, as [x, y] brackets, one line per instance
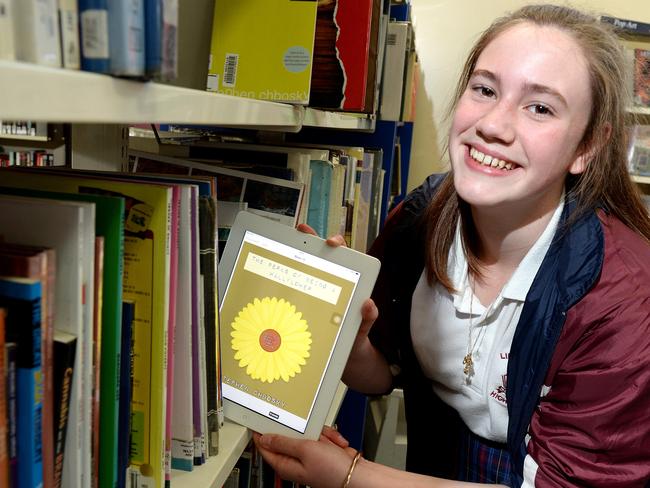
[367, 266]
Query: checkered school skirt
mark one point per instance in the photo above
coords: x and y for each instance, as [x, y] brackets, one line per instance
[483, 461]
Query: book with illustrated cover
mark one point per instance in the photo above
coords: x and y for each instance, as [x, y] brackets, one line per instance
[263, 49]
[21, 300]
[64, 357]
[342, 76]
[109, 224]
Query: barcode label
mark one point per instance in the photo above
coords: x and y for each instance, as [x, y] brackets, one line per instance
[230, 70]
[133, 479]
[94, 34]
[391, 40]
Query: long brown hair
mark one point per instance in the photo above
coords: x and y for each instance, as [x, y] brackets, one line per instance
[605, 182]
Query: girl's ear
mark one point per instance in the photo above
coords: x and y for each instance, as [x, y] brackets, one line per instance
[579, 165]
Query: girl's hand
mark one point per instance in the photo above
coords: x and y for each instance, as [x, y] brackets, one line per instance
[319, 464]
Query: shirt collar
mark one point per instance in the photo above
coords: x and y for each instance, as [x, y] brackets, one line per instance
[519, 283]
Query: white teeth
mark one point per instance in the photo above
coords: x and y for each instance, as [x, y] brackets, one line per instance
[487, 160]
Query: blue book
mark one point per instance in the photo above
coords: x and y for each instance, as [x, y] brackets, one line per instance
[319, 196]
[21, 298]
[153, 29]
[12, 441]
[126, 380]
[126, 35]
[93, 30]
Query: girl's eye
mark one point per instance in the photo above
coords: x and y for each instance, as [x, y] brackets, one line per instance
[539, 109]
[484, 91]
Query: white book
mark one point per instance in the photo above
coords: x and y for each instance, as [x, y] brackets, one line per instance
[7, 46]
[36, 31]
[69, 26]
[182, 434]
[394, 65]
[69, 228]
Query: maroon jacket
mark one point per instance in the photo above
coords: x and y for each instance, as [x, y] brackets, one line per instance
[578, 387]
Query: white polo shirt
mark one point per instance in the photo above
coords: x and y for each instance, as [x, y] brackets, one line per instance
[440, 325]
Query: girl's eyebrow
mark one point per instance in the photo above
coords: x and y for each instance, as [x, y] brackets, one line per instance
[527, 88]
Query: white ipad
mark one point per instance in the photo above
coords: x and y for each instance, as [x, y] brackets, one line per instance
[290, 308]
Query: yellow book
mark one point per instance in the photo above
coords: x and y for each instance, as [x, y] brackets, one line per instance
[147, 244]
[263, 49]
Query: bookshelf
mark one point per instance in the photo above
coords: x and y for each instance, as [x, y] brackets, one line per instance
[100, 108]
[37, 93]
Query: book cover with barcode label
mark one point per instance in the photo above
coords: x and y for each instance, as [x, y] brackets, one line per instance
[263, 50]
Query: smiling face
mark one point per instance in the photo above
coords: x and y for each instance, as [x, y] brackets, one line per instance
[517, 128]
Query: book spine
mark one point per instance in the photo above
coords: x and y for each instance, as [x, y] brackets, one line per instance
[93, 21]
[631, 26]
[12, 411]
[153, 37]
[64, 359]
[69, 28]
[7, 46]
[126, 385]
[96, 358]
[126, 34]
[4, 454]
[37, 28]
[170, 40]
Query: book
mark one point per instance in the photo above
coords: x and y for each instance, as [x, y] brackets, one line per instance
[319, 196]
[161, 39]
[4, 420]
[36, 25]
[38, 263]
[126, 386]
[69, 29]
[276, 62]
[64, 358]
[96, 356]
[273, 198]
[639, 149]
[397, 43]
[363, 195]
[642, 77]
[153, 18]
[21, 299]
[126, 37]
[12, 412]
[342, 55]
[7, 46]
[68, 227]
[109, 224]
[93, 31]
[169, 69]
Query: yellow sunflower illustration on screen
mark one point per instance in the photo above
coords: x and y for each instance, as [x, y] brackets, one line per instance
[271, 339]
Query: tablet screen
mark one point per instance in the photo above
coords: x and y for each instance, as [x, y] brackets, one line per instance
[281, 316]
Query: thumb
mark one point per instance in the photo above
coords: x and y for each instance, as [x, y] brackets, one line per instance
[281, 444]
[369, 314]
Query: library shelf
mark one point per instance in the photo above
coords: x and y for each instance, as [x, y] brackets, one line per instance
[37, 93]
[645, 180]
[233, 439]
